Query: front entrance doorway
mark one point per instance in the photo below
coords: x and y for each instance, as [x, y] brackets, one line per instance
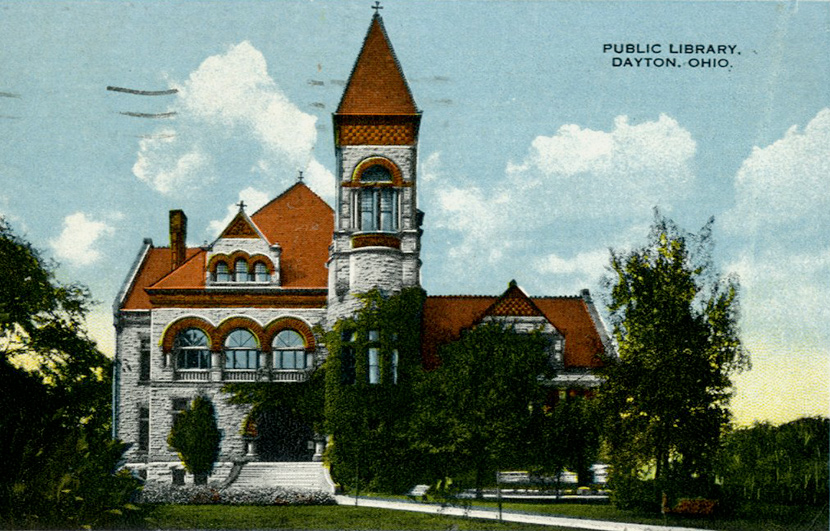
[284, 437]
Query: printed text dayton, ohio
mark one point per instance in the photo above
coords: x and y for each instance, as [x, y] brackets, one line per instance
[671, 55]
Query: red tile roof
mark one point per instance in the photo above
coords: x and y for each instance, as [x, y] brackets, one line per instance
[299, 220]
[377, 84]
[155, 266]
[302, 223]
[445, 317]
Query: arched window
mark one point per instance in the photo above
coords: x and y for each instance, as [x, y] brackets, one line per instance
[241, 350]
[261, 272]
[289, 351]
[222, 272]
[191, 349]
[378, 205]
[241, 271]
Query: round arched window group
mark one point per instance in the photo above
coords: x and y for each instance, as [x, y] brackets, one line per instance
[284, 345]
[239, 267]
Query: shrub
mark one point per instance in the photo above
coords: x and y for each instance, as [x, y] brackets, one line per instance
[695, 507]
[196, 437]
[165, 493]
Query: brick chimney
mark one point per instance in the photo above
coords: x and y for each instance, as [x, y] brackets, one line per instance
[178, 238]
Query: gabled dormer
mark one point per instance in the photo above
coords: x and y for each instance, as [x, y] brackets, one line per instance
[242, 257]
[515, 308]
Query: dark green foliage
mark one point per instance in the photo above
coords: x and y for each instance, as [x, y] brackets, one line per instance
[778, 464]
[369, 423]
[195, 436]
[284, 416]
[569, 436]
[666, 396]
[305, 400]
[58, 459]
[475, 413]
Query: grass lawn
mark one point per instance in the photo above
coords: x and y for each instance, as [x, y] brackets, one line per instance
[317, 517]
[755, 518]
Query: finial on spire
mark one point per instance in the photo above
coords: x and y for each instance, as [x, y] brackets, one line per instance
[300, 176]
[377, 7]
[241, 205]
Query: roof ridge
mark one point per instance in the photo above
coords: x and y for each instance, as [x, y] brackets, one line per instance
[285, 192]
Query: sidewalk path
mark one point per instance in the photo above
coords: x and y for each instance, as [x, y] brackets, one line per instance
[488, 514]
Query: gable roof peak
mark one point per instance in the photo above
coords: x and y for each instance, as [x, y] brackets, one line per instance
[377, 84]
[241, 226]
[514, 302]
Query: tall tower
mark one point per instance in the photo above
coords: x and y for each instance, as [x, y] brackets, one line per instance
[376, 242]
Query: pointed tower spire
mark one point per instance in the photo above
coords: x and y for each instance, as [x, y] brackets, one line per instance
[377, 84]
[376, 242]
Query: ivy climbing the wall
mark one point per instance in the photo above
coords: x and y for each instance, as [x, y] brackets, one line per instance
[373, 367]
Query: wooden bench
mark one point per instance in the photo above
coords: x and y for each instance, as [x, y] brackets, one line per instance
[418, 491]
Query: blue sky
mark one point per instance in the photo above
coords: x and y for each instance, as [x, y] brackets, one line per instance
[537, 155]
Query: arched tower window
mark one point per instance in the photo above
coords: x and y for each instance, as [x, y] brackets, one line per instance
[241, 350]
[191, 349]
[290, 351]
[378, 204]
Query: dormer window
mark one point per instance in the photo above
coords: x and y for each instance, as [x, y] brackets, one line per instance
[241, 271]
[261, 272]
[222, 272]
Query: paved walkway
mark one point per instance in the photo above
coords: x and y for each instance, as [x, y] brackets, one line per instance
[490, 514]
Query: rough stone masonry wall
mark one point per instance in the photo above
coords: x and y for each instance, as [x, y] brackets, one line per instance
[228, 418]
[130, 394]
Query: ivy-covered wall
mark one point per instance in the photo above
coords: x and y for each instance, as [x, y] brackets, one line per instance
[372, 369]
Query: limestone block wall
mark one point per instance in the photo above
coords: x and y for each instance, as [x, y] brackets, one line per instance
[375, 267]
[229, 419]
[404, 156]
[130, 392]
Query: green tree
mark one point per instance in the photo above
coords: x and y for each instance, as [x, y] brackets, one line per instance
[59, 461]
[675, 321]
[778, 464]
[373, 363]
[195, 436]
[475, 413]
[569, 438]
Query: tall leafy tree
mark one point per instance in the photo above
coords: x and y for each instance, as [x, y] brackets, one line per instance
[195, 436]
[59, 461]
[675, 321]
[476, 411]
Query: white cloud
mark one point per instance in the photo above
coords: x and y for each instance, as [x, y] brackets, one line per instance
[582, 172]
[578, 185]
[78, 238]
[232, 109]
[590, 264]
[429, 169]
[782, 256]
[253, 199]
[781, 190]
[160, 165]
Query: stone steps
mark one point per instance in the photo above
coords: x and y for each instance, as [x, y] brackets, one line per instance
[293, 475]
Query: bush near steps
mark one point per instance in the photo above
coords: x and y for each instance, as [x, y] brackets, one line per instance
[165, 493]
